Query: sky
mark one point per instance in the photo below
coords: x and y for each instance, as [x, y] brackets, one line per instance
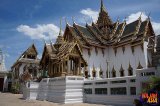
[24, 22]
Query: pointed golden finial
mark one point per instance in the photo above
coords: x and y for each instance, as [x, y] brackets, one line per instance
[118, 19]
[73, 20]
[33, 41]
[149, 16]
[50, 41]
[85, 20]
[125, 19]
[140, 16]
[102, 6]
[92, 20]
[60, 31]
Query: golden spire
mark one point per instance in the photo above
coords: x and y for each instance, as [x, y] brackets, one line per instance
[103, 18]
[102, 6]
[118, 19]
[149, 16]
[60, 31]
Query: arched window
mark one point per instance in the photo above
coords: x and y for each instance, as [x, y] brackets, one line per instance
[139, 66]
[130, 70]
[100, 72]
[93, 72]
[113, 72]
[121, 71]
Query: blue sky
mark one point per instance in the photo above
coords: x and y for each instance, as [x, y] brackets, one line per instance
[23, 22]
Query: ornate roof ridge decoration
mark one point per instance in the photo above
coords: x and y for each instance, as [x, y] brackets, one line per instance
[98, 37]
[137, 28]
[139, 66]
[103, 19]
[52, 46]
[65, 51]
[68, 26]
[80, 33]
[146, 28]
[121, 31]
[29, 49]
[59, 40]
[115, 29]
[129, 66]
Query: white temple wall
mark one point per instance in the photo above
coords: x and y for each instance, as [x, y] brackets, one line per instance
[96, 60]
[139, 55]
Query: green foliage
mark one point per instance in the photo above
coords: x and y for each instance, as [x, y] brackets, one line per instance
[15, 88]
[153, 83]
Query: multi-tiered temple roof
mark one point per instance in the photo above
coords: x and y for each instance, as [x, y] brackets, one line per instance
[105, 32]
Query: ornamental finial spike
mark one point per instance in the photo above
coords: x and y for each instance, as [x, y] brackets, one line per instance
[60, 31]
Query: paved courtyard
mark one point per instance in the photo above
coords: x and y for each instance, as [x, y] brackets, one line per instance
[9, 99]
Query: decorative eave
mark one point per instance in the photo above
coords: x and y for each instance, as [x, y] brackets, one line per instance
[114, 30]
[80, 33]
[68, 26]
[88, 42]
[87, 26]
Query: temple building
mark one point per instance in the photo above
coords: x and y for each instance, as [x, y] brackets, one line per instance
[110, 49]
[119, 48]
[62, 58]
[103, 62]
[26, 68]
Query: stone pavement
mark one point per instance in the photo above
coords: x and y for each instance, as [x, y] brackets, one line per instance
[9, 99]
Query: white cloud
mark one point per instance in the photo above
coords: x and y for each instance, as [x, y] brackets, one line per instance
[134, 16]
[90, 13]
[156, 27]
[45, 31]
